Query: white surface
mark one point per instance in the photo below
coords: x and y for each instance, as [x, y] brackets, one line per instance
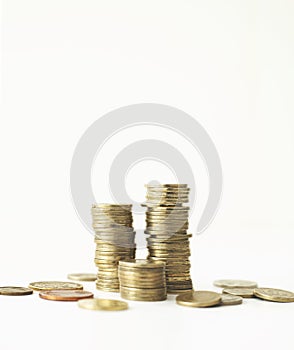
[228, 63]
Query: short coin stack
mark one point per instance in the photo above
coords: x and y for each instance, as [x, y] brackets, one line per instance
[142, 280]
[168, 240]
[115, 241]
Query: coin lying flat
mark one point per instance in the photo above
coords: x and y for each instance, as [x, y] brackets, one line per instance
[277, 295]
[228, 299]
[65, 295]
[50, 285]
[198, 299]
[15, 291]
[83, 277]
[103, 304]
[235, 284]
[241, 292]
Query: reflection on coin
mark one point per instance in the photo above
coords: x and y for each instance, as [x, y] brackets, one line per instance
[50, 285]
[103, 304]
[15, 291]
[83, 277]
[65, 295]
[198, 299]
[277, 295]
[228, 299]
[235, 284]
[241, 292]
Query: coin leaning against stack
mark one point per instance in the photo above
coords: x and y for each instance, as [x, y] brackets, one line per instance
[166, 227]
[115, 241]
[142, 280]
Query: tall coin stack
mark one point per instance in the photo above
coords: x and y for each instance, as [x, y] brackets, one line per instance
[142, 280]
[115, 241]
[166, 227]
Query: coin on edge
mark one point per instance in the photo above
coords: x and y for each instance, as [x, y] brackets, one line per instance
[15, 291]
[272, 294]
[228, 299]
[83, 277]
[235, 284]
[65, 295]
[103, 304]
[241, 292]
[50, 285]
[198, 299]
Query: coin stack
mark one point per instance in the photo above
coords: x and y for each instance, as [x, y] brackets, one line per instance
[142, 280]
[166, 227]
[115, 241]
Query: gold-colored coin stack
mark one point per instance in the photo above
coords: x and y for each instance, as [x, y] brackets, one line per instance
[142, 280]
[168, 240]
[115, 241]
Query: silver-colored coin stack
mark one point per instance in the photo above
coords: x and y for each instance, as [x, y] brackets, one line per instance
[115, 241]
[168, 240]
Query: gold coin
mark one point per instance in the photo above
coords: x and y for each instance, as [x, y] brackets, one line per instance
[103, 304]
[277, 295]
[241, 292]
[228, 299]
[83, 277]
[15, 291]
[50, 285]
[198, 299]
[235, 284]
[141, 263]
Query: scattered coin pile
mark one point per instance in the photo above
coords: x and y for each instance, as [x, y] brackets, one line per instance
[142, 280]
[233, 293]
[115, 241]
[166, 227]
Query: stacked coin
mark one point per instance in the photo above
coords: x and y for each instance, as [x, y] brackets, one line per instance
[168, 240]
[142, 280]
[115, 241]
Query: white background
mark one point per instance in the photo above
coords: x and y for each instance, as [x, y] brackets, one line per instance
[229, 63]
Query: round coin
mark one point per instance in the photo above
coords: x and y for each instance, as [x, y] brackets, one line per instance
[83, 277]
[235, 284]
[65, 295]
[241, 292]
[277, 295]
[15, 291]
[198, 299]
[103, 304]
[50, 285]
[228, 299]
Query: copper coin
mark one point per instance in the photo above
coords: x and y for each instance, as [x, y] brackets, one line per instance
[65, 295]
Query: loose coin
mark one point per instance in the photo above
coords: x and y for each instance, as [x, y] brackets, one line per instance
[235, 284]
[83, 277]
[228, 299]
[198, 299]
[241, 292]
[103, 304]
[15, 291]
[277, 295]
[65, 295]
[50, 285]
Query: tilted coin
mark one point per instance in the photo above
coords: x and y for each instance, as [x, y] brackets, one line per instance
[15, 291]
[65, 295]
[83, 277]
[198, 299]
[235, 284]
[228, 299]
[49, 285]
[272, 294]
[103, 304]
[241, 292]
